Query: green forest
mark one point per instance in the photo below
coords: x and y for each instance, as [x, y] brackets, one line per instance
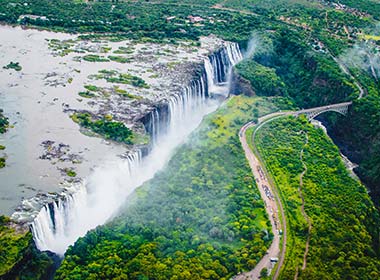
[285, 66]
[19, 258]
[105, 127]
[201, 217]
[344, 236]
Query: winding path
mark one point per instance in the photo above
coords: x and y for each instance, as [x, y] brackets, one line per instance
[272, 204]
[270, 196]
[307, 218]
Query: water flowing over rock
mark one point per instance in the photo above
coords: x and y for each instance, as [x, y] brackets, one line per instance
[98, 198]
[219, 68]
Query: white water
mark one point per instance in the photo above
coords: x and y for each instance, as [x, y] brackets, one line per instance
[92, 203]
[218, 68]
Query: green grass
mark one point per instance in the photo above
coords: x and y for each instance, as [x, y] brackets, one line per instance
[92, 88]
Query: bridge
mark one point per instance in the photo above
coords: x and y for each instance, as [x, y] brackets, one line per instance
[275, 206]
[341, 108]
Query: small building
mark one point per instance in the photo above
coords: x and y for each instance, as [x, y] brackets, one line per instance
[33, 17]
[195, 19]
[170, 18]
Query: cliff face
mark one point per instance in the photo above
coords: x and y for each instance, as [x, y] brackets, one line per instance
[358, 136]
[239, 85]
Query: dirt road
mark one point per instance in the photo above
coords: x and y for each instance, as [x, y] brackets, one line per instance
[268, 196]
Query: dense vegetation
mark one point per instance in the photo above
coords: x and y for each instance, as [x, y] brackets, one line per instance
[86, 94]
[171, 20]
[19, 259]
[94, 58]
[4, 123]
[344, 237]
[286, 65]
[199, 218]
[113, 76]
[312, 78]
[13, 65]
[264, 80]
[109, 129]
[12, 246]
[299, 37]
[131, 19]
[359, 135]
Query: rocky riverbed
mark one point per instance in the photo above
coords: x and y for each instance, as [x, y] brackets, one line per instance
[63, 74]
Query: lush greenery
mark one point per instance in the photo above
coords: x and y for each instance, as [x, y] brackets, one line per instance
[4, 123]
[19, 259]
[264, 80]
[118, 58]
[109, 129]
[94, 58]
[344, 238]
[144, 20]
[86, 94]
[13, 65]
[300, 36]
[199, 218]
[113, 76]
[313, 78]
[359, 135]
[286, 65]
[12, 245]
[169, 19]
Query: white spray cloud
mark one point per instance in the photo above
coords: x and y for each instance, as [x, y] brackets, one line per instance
[365, 56]
[258, 44]
[103, 193]
[253, 44]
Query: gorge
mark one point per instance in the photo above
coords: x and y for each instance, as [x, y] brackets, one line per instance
[169, 139]
[96, 200]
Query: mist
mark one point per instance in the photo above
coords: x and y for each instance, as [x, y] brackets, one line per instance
[364, 56]
[252, 46]
[105, 191]
[258, 44]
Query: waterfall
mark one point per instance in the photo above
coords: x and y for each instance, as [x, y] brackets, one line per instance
[97, 199]
[218, 67]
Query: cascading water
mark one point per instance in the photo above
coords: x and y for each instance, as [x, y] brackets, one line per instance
[219, 68]
[98, 198]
